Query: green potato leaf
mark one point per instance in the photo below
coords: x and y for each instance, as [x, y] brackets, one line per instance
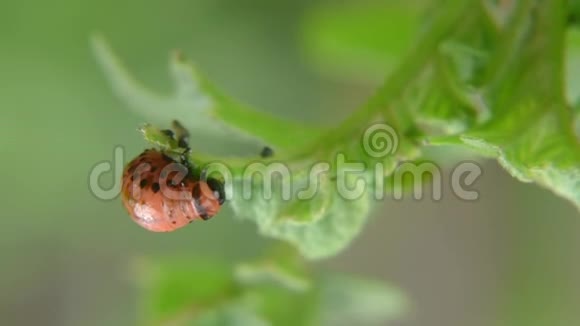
[176, 290]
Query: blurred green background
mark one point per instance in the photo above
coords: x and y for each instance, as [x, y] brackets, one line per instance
[510, 258]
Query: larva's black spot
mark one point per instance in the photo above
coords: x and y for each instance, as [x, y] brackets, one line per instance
[188, 217]
[196, 192]
[132, 177]
[266, 152]
[218, 190]
[143, 183]
[200, 210]
[167, 158]
[173, 222]
[153, 168]
[155, 187]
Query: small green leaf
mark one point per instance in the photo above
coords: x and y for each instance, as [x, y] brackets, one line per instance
[272, 291]
[156, 137]
[284, 307]
[267, 272]
[311, 202]
[438, 112]
[317, 233]
[174, 289]
[349, 301]
[542, 152]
